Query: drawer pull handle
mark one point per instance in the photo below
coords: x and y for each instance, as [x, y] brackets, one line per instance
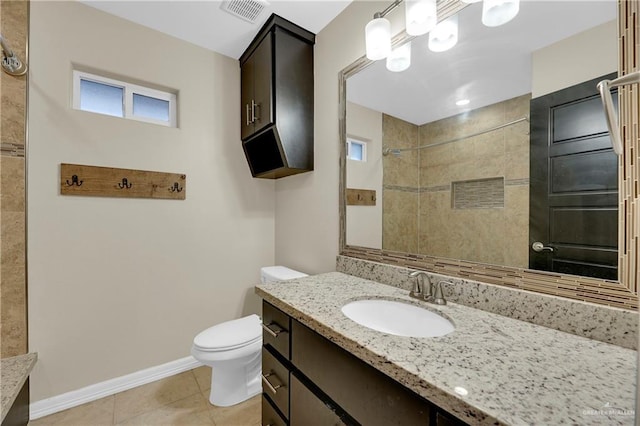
[273, 329]
[272, 388]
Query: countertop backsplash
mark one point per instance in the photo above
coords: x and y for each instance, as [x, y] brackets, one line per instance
[606, 324]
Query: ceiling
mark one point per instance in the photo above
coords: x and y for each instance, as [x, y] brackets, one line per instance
[205, 24]
[487, 65]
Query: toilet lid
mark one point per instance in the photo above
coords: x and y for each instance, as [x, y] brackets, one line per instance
[230, 335]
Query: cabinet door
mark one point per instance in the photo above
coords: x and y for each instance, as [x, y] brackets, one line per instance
[307, 409]
[263, 83]
[246, 96]
[369, 396]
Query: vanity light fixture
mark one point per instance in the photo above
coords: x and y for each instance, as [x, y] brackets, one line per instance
[463, 102]
[400, 58]
[499, 12]
[421, 16]
[378, 38]
[445, 35]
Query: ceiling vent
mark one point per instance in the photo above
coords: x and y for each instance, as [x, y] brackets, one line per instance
[248, 10]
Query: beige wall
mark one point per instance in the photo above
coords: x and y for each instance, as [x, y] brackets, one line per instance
[364, 223]
[573, 60]
[118, 285]
[14, 18]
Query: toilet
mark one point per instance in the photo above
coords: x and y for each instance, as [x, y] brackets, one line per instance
[233, 350]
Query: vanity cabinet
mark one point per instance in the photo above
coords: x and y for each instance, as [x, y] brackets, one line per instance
[312, 381]
[276, 108]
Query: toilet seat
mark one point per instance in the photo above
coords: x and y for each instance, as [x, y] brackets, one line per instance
[230, 335]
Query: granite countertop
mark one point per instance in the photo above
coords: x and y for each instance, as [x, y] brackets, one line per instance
[513, 372]
[14, 372]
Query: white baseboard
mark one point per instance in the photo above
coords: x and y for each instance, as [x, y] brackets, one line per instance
[110, 387]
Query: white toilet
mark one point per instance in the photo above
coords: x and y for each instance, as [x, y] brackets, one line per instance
[233, 350]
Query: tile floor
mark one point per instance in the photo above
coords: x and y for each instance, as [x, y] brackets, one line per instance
[180, 400]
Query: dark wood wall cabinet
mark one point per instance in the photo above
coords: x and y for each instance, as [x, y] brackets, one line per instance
[308, 380]
[277, 100]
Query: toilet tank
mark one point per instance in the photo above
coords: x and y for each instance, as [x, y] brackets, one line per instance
[269, 274]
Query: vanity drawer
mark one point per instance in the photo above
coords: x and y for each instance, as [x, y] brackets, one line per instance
[270, 416]
[275, 381]
[308, 410]
[369, 396]
[276, 325]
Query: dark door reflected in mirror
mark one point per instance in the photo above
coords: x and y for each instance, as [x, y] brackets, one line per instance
[573, 202]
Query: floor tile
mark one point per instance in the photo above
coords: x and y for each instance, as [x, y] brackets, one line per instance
[245, 414]
[203, 377]
[191, 411]
[95, 413]
[154, 395]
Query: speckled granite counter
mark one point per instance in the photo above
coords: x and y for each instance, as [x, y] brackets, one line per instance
[14, 372]
[515, 373]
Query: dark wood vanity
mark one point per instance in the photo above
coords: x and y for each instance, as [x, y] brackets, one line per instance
[309, 380]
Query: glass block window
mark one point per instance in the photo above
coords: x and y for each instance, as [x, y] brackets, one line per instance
[102, 95]
[356, 150]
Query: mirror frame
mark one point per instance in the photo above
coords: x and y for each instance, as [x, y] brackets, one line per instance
[622, 293]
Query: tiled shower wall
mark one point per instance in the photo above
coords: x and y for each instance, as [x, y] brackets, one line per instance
[13, 290]
[401, 186]
[419, 214]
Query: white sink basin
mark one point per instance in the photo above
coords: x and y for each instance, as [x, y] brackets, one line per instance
[400, 319]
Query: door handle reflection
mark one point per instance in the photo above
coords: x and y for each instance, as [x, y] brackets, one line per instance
[538, 247]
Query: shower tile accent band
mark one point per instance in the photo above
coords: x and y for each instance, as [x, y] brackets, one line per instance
[12, 150]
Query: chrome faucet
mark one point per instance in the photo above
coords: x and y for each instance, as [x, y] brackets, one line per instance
[420, 290]
[438, 296]
[416, 292]
[428, 291]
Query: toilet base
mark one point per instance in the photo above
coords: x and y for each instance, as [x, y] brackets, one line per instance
[235, 382]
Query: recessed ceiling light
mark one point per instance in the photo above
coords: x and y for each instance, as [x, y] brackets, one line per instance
[463, 102]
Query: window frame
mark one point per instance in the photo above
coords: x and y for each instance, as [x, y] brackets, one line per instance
[129, 89]
[351, 140]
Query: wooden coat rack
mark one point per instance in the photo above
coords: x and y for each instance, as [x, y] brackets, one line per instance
[76, 179]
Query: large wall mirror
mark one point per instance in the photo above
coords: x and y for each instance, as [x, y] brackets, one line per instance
[491, 160]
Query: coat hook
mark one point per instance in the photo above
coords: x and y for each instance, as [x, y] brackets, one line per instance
[74, 181]
[125, 184]
[175, 187]
[359, 197]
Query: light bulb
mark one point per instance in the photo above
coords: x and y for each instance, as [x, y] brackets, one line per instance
[498, 12]
[421, 16]
[378, 38]
[400, 58]
[445, 35]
